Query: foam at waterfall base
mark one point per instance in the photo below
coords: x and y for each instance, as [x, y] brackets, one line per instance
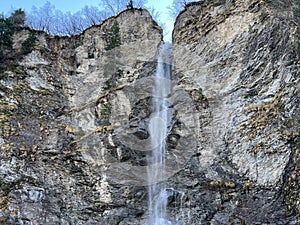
[162, 221]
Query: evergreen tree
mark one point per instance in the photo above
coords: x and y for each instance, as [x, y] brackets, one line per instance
[18, 17]
[114, 39]
[7, 30]
[29, 43]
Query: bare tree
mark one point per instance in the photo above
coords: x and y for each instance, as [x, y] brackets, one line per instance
[41, 18]
[55, 22]
[93, 15]
[77, 22]
[177, 6]
[140, 3]
[116, 6]
[154, 13]
[156, 16]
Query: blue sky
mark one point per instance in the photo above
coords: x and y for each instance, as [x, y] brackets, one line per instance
[7, 6]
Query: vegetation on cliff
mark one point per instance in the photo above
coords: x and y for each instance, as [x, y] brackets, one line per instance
[7, 30]
[55, 22]
[113, 35]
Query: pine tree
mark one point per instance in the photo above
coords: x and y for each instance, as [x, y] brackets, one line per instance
[7, 30]
[29, 43]
[18, 17]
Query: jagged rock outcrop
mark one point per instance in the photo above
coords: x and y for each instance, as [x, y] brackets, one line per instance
[240, 57]
[60, 107]
[74, 114]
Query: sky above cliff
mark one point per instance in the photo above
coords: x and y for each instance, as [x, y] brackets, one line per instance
[161, 6]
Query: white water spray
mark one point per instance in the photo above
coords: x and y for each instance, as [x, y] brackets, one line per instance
[159, 128]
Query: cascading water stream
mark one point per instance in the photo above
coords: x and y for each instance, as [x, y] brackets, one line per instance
[159, 128]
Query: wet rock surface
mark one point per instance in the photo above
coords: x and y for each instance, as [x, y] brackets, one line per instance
[74, 121]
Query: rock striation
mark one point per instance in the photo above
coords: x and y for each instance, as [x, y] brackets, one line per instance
[74, 116]
[237, 60]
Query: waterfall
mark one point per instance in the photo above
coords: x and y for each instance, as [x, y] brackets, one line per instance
[159, 126]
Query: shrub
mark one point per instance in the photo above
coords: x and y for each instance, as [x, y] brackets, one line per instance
[7, 30]
[29, 43]
[114, 39]
[18, 17]
[130, 5]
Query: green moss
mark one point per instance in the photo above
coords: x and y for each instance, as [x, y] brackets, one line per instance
[202, 97]
[4, 202]
[19, 72]
[98, 204]
[21, 86]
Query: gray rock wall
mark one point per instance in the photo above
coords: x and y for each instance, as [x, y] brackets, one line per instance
[239, 58]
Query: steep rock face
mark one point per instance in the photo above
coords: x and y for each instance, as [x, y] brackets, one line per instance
[60, 107]
[237, 61]
[74, 117]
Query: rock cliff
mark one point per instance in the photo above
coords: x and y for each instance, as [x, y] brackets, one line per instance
[74, 114]
[61, 107]
[237, 60]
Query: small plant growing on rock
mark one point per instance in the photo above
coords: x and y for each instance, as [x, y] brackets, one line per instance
[114, 39]
[130, 5]
[4, 187]
[104, 114]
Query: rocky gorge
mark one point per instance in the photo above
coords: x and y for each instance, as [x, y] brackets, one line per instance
[74, 115]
